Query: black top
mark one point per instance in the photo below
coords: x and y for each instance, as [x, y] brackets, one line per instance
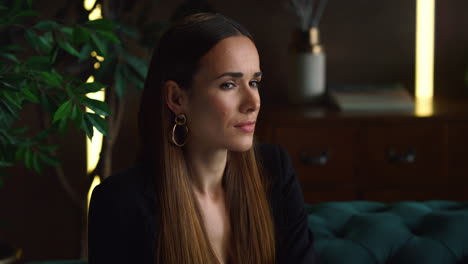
[122, 223]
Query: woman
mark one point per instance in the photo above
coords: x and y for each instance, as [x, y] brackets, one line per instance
[199, 194]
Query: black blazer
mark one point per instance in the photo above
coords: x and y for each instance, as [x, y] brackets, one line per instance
[122, 222]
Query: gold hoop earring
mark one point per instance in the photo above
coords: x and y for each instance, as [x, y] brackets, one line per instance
[180, 120]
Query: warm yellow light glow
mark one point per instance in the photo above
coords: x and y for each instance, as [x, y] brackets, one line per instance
[97, 65]
[425, 18]
[96, 182]
[93, 147]
[88, 4]
[93, 54]
[96, 13]
[100, 58]
[424, 107]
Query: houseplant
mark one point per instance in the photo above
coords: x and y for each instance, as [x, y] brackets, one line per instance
[44, 64]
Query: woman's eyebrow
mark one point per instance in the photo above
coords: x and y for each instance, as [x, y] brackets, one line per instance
[237, 74]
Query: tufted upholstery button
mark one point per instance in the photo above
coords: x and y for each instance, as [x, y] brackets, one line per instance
[405, 232]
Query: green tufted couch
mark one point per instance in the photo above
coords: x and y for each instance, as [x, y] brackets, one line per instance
[364, 232]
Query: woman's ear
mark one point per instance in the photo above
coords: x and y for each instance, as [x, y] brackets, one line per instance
[175, 96]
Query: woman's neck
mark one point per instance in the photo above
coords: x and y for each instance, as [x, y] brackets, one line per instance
[207, 167]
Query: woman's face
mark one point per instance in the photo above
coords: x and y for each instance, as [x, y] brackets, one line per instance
[223, 102]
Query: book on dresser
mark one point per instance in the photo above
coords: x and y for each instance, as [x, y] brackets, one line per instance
[371, 98]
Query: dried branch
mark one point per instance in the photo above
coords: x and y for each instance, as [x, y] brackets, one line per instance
[59, 172]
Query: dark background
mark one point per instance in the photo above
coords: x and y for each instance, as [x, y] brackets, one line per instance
[366, 42]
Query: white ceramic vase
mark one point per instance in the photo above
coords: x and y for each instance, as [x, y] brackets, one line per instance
[307, 69]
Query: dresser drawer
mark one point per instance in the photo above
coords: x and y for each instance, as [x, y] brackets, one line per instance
[320, 154]
[398, 154]
[458, 152]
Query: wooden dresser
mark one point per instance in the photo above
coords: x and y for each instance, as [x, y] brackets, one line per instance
[374, 156]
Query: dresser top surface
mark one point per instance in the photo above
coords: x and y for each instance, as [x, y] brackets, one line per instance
[440, 108]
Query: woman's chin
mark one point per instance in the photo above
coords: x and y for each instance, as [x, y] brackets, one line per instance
[241, 146]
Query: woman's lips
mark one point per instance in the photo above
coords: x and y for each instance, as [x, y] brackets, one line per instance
[247, 127]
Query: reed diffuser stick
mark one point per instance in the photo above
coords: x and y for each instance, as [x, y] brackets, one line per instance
[308, 12]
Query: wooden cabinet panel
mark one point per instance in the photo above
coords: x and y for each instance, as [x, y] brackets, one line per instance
[458, 152]
[320, 154]
[401, 154]
[375, 156]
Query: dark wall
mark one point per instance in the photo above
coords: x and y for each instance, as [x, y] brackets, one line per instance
[366, 41]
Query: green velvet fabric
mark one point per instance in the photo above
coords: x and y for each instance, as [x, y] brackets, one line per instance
[361, 232]
[60, 262]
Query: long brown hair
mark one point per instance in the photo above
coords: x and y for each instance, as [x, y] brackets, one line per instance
[182, 237]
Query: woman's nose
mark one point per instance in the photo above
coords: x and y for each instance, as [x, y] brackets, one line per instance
[250, 99]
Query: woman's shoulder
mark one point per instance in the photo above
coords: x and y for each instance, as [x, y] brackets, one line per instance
[273, 157]
[126, 183]
[275, 161]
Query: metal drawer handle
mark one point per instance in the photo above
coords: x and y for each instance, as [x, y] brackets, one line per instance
[406, 158]
[320, 159]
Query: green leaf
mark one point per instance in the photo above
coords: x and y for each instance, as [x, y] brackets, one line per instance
[32, 38]
[80, 35]
[130, 31]
[10, 108]
[74, 111]
[19, 131]
[38, 62]
[13, 98]
[17, 5]
[132, 77]
[48, 148]
[68, 48]
[50, 79]
[29, 95]
[138, 65]
[67, 32]
[44, 44]
[54, 54]
[62, 111]
[35, 163]
[98, 122]
[11, 57]
[8, 86]
[42, 135]
[46, 105]
[85, 52]
[90, 87]
[97, 106]
[46, 25]
[20, 153]
[101, 24]
[4, 163]
[6, 119]
[30, 3]
[87, 127]
[119, 81]
[26, 13]
[14, 48]
[98, 45]
[108, 35]
[49, 160]
[28, 158]
[63, 126]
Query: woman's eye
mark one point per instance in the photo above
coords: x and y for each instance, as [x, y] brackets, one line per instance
[254, 83]
[228, 85]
